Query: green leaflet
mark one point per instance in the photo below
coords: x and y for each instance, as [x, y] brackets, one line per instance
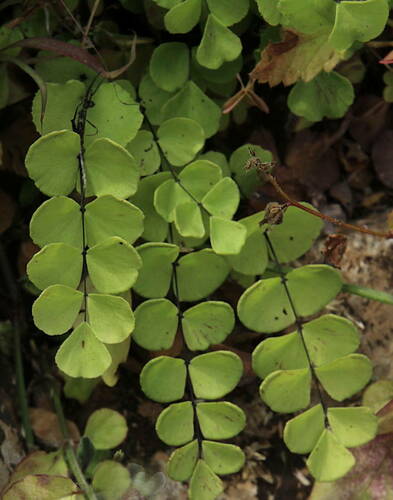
[175, 425]
[227, 237]
[145, 151]
[183, 16]
[353, 426]
[200, 274]
[113, 265]
[247, 180]
[328, 94]
[182, 462]
[220, 420]
[181, 139]
[204, 484]
[206, 324]
[110, 317]
[163, 379]
[155, 275]
[353, 22]
[52, 162]
[155, 228]
[56, 263]
[215, 374]
[222, 199]
[156, 323]
[169, 65]
[56, 309]
[106, 429]
[153, 98]
[228, 12]
[287, 391]
[111, 479]
[82, 354]
[302, 432]
[223, 458]
[191, 102]
[120, 180]
[329, 459]
[188, 220]
[345, 376]
[218, 45]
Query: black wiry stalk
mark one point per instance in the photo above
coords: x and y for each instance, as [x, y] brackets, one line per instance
[78, 126]
[175, 285]
[299, 325]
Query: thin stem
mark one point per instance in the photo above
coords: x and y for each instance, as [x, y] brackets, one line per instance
[379, 45]
[19, 327]
[90, 21]
[69, 451]
[298, 323]
[368, 293]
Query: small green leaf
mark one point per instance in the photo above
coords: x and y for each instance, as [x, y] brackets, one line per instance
[183, 16]
[153, 98]
[330, 337]
[358, 21]
[199, 177]
[175, 425]
[155, 228]
[227, 237]
[191, 102]
[269, 11]
[106, 429]
[170, 65]
[145, 151]
[62, 100]
[296, 234]
[110, 317]
[215, 374]
[378, 394]
[204, 484]
[163, 379]
[302, 432]
[155, 324]
[56, 309]
[353, 426]
[167, 197]
[345, 376]
[287, 391]
[269, 294]
[108, 216]
[228, 12]
[279, 353]
[113, 265]
[307, 298]
[308, 16]
[329, 460]
[247, 180]
[218, 45]
[52, 162]
[206, 324]
[188, 220]
[253, 257]
[114, 116]
[155, 276]
[181, 139]
[219, 159]
[199, 274]
[111, 480]
[120, 180]
[182, 462]
[221, 420]
[223, 458]
[327, 95]
[222, 199]
[82, 354]
[57, 220]
[56, 263]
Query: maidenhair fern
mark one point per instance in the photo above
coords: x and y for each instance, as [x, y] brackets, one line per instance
[138, 203]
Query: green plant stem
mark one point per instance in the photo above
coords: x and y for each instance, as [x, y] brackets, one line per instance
[19, 326]
[368, 293]
[299, 325]
[69, 451]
